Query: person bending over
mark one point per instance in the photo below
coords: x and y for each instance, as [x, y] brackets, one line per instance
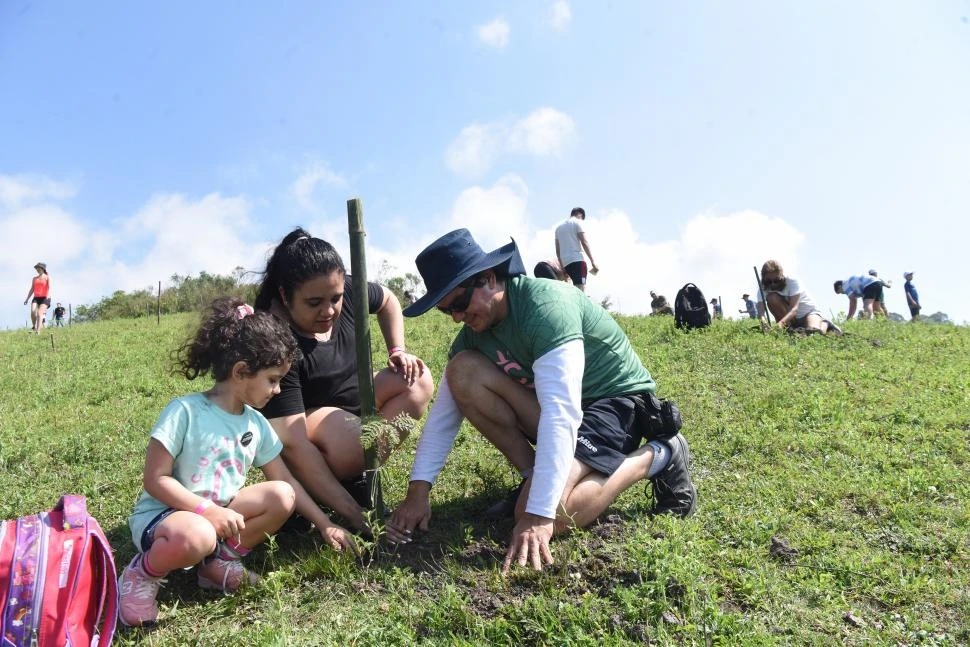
[317, 413]
[550, 379]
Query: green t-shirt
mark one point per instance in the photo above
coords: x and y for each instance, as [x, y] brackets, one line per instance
[544, 314]
[213, 449]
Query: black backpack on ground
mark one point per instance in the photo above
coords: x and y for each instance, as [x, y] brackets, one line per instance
[690, 308]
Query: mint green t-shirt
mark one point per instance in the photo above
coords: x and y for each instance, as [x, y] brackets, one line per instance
[544, 314]
[213, 449]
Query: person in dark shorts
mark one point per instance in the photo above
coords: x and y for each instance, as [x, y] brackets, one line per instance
[570, 244]
[912, 296]
[869, 288]
[40, 289]
[549, 378]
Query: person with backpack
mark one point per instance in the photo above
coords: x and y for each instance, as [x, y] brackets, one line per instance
[549, 378]
[195, 508]
[788, 302]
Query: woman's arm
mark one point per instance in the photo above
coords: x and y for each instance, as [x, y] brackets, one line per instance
[391, 321]
[308, 465]
[333, 534]
[29, 292]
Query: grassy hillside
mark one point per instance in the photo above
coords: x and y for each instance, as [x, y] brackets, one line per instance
[833, 500]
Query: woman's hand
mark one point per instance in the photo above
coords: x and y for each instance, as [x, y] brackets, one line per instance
[409, 367]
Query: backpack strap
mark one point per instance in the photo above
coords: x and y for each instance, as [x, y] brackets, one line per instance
[107, 619]
[76, 516]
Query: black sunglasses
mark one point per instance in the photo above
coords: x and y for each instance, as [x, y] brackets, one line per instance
[460, 304]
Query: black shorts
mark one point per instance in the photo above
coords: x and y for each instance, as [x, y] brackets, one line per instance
[148, 535]
[544, 270]
[577, 272]
[607, 433]
[914, 310]
[43, 301]
[872, 291]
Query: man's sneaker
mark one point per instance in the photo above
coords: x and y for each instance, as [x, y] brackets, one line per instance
[224, 575]
[505, 509]
[673, 492]
[137, 592]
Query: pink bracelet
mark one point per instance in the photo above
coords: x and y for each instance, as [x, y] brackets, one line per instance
[199, 509]
[395, 349]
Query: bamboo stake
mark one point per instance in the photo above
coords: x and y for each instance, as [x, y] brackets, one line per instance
[365, 373]
[761, 293]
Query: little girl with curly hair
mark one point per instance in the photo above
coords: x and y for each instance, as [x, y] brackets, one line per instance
[196, 507]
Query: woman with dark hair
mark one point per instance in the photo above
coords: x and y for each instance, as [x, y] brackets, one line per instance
[40, 289]
[317, 413]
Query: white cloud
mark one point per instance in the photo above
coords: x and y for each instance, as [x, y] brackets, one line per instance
[495, 34]
[493, 214]
[170, 234]
[542, 133]
[560, 15]
[17, 190]
[475, 149]
[315, 174]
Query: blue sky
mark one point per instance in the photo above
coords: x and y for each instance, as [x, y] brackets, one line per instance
[141, 140]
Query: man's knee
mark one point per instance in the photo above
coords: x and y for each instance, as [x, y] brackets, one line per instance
[466, 370]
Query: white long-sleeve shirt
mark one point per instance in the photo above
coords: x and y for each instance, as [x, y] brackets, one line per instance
[558, 385]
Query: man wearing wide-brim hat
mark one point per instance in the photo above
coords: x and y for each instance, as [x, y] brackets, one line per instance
[550, 379]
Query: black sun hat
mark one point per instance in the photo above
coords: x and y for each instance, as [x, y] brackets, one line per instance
[454, 257]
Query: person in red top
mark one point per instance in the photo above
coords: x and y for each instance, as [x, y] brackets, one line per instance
[40, 288]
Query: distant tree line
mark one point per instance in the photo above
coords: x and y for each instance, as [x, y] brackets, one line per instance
[184, 294]
[193, 293]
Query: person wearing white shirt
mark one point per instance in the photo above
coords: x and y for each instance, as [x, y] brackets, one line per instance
[570, 244]
[788, 302]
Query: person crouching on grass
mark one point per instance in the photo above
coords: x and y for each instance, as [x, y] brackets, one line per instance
[549, 378]
[195, 507]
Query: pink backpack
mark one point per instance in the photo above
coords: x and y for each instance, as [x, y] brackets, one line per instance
[57, 579]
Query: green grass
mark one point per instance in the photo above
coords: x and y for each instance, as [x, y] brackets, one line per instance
[832, 476]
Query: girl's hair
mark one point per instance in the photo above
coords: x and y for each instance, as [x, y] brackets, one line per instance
[230, 334]
[298, 258]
